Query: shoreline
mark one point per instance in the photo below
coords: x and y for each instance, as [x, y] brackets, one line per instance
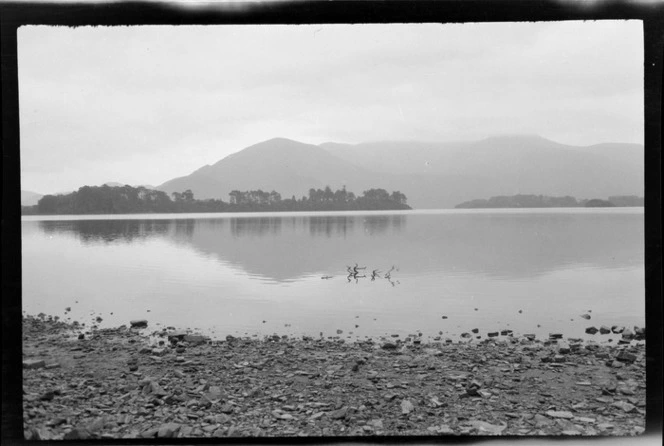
[126, 383]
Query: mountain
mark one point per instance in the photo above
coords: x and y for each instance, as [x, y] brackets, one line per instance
[286, 166]
[430, 174]
[29, 198]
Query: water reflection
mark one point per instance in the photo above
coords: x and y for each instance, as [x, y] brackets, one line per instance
[109, 231]
[254, 227]
[501, 245]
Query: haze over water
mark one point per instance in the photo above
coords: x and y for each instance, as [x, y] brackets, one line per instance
[532, 271]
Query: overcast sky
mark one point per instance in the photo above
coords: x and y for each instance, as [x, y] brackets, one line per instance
[142, 105]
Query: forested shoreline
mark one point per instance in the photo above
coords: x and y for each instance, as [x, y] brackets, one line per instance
[137, 200]
[544, 201]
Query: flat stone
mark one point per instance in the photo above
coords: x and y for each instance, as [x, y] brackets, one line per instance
[559, 414]
[406, 407]
[604, 329]
[78, 434]
[138, 323]
[625, 356]
[591, 330]
[196, 339]
[34, 363]
[167, 430]
[627, 407]
[338, 414]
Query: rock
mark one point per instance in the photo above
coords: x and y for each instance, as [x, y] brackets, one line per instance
[617, 329]
[492, 334]
[472, 387]
[559, 414]
[78, 434]
[585, 316]
[591, 330]
[138, 323]
[506, 332]
[159, 351]
[81, 337]
[628, 334]
[475, 330]
[176, 336]
[486, 428]
[338, 414]
[466, 335]
[167, 430]
[388, 345]
[196, 339]
[627, 407]
[604, 329]
[625, 356]
[34, 363]
[406, 407]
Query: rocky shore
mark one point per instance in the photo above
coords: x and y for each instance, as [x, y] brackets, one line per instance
[130, 382]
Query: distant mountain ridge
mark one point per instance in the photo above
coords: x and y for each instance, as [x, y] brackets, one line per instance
[431, 175]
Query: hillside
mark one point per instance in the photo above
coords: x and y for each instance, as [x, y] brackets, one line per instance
[280, 164]
[29, 198]
[432, 175]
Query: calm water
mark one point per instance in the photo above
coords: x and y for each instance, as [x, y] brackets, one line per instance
[262, 274]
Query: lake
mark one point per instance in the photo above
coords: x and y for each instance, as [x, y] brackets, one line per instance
[439, 272]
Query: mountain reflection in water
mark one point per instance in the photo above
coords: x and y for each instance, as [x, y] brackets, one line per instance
[285, 248]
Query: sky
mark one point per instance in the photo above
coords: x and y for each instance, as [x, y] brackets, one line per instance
[145, 104]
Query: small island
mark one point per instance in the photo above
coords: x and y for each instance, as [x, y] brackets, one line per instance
[138, 200]
[544, 201]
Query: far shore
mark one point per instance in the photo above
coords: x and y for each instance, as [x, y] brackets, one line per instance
[136, 382]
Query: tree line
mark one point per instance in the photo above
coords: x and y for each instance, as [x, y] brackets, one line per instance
[544, 201]
[127, 200]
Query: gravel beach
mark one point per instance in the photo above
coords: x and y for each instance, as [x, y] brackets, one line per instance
[134, 382]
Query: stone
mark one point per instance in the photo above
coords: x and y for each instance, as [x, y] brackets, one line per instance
[406, 407]
[486, 428]
[138, 323]
[492, 334]
[559, 414]
[591, 330]
[555, 335]
[585, 316]
[627, 407]
[604, 329]
[81, 337]
[475, 330]
[506, 332]
[196, 339]
[34, 363]
[617, 329]
[628, 334]
[388, 345]
[472, 387]
[338, 414]
[167, 430]
[466, 335]
[625, 356]
[159, 351]
[78, 434]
